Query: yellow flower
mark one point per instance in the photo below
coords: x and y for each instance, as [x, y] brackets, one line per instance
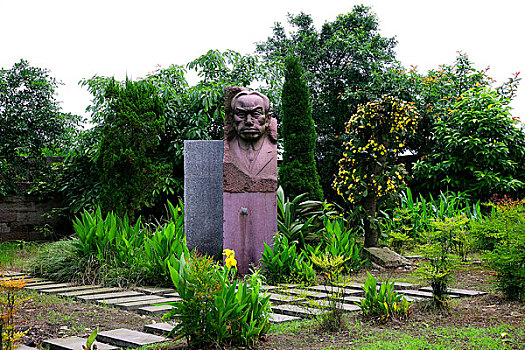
[230, 258]
[229, 253]
[230, 261]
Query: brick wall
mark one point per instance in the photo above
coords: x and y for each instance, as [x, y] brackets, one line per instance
[21, 216]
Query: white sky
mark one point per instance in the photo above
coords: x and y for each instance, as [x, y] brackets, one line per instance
[78, 39]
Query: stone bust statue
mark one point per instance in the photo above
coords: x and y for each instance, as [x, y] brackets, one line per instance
[250, 152]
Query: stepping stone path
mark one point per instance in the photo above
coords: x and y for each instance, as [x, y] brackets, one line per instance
[290, 302]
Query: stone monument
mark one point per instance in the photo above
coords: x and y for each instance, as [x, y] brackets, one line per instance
[249, 176]
[203, 196]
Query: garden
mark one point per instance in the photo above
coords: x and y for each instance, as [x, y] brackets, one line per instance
[429, 165]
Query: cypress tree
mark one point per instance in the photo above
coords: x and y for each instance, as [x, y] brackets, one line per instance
[298, 172]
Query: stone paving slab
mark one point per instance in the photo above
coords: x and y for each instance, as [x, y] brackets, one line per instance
[143, 303]
[458, 292]
[162, 328]
[13, 273]
[128, 299]
[155, 290]
[283, 298]
[73, 343]
[41, 287]
[335, 289]
[303, 293]
[24, 347]
[154, 310]
[350, 299]
[355, 285]
[296, 310]
[68, 289]
[404, 285]
[79, 293]
[279, 318]
[344, 306]
[418, 293]
[105, 296]
[267, 287]
[126, 338]
[41, 282]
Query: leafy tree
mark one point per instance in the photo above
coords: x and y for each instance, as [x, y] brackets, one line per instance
[298, 173]
[31, 123]
[338, 59]
[191, 112]
[129, 159]
[368, 174]
[478, 148]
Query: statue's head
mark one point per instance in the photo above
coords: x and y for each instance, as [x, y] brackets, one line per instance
[250, 115]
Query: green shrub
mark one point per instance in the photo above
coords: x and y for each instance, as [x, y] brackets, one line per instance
[282, 262]
[116, 252]
[503, 234]
[130, 158]
[414, 215]
[301, 220]
[438, 251]
[109, 237]
[298, 171]
[216, 308]
[384, 303]
[339, 241]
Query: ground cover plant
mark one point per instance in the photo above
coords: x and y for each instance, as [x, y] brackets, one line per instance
[482, 322]
[110, 250]
[216, 308]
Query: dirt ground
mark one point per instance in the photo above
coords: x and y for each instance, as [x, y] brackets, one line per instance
[45, 316]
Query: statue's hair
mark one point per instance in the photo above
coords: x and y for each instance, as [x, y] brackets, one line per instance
[271, 123]
[265, 99]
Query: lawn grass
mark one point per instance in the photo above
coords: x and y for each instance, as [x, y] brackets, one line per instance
[15, 256]
[366, 336]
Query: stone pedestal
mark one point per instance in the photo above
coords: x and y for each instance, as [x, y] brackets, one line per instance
[249, 220]
[203, 196]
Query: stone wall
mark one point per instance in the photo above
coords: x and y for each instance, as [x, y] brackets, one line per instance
[20, 218]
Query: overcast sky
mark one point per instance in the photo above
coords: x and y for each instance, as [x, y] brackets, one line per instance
[78, 39]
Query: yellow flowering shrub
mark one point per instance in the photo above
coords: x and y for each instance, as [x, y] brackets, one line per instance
[375, 135]
[12, 295]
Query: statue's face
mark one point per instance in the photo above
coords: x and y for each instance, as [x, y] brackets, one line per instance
[249, 117]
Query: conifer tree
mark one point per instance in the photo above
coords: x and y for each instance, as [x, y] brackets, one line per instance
[298, 172]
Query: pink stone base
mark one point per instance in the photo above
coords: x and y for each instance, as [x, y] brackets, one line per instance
[245, 234]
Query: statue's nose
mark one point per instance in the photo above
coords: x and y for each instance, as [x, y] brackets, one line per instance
[249, 119]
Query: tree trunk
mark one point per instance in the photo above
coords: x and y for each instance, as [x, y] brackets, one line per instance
[371, 234]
